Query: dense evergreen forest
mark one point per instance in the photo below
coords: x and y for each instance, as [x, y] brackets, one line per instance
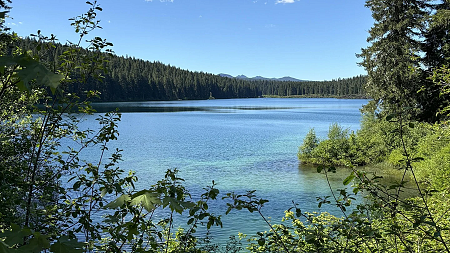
[130, 79]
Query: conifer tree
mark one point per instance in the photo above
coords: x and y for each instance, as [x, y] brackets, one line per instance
[394, 53]
[436, 51]
[437, 37]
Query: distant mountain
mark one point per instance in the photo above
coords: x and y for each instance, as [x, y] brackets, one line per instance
[226, 75]
[286, 78]
[242, 77]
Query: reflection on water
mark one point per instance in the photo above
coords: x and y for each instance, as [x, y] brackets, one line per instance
[108, 108]
[149, 107]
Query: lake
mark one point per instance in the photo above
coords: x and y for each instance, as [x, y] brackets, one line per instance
[241, 144]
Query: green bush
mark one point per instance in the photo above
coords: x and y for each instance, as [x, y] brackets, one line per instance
[309, 144]
[434, 149]
[332, 151]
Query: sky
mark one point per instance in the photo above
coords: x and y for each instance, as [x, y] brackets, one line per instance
[305, 39]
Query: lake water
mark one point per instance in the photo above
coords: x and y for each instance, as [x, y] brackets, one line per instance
[241, 144]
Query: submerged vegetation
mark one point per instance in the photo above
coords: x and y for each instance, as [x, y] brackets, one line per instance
[53, 201]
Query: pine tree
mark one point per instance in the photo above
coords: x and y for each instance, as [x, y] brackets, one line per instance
[436, 48]
[437, 37]
[394, 53]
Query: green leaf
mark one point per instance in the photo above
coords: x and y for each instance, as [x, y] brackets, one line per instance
[120, 201]
[131, 232]
[4, 248]
[261, 242]
[104, 192]
[67, 245]
[37, 243]
[147, 199]
[188, 204]
[174, 204]
[202, 216]
[194, 210]
[29, 70]
[210, 223]
[50, 79]
[8, 60]
[76, 185]
[3, 14]
[349, 179]
[15, 235]
[319, 169]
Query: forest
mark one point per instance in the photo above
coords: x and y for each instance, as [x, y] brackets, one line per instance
[130, 79]
[405, 130]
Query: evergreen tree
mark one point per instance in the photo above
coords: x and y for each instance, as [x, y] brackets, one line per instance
[394, 54]
[436, 48]
[437, 37]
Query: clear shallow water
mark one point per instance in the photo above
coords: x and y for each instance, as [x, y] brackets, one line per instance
[241, 144]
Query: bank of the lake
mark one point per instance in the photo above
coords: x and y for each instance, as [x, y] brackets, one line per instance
[350, 96]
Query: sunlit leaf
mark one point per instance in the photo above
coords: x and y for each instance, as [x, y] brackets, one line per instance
[120, 201]
[348, 179]
[30, 69]
[147, 199]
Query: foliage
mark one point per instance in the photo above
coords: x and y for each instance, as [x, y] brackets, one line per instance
[407, 91]
[32, 163]
[441, 77]
[409, 40]
[386, 221]
[310, 142]
[393, 51]
[377, 141]
[51, 198]
[433, 170]
[333, 150]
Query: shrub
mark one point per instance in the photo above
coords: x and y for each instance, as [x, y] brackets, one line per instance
[309, 144]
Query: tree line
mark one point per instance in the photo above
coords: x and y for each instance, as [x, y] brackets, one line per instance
[341, 87]
[131, 79]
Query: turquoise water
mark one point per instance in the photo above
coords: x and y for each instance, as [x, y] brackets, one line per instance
[241, 144]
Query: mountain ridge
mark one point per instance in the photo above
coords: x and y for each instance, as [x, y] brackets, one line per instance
[285, 78]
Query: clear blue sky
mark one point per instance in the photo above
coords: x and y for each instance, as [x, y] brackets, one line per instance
[305, 39]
